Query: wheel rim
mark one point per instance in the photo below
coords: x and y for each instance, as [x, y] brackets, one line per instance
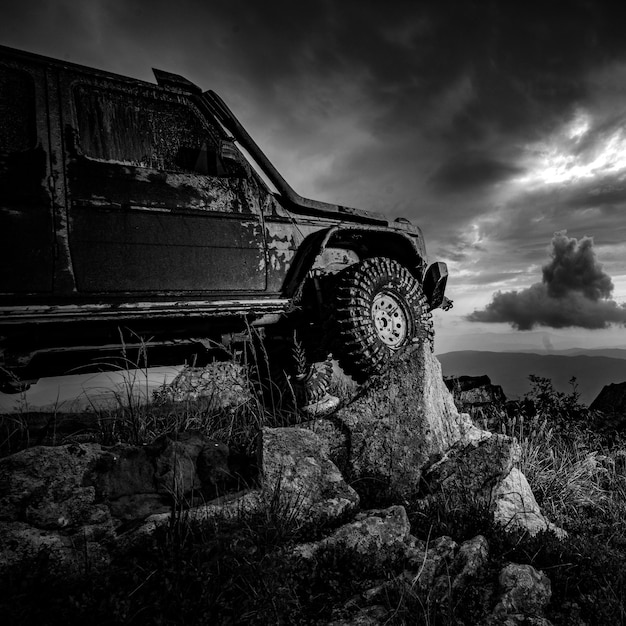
[390, 319]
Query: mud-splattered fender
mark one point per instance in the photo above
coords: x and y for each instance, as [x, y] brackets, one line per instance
[369, 240]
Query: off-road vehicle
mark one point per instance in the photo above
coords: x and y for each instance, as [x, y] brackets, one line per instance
[127, 204]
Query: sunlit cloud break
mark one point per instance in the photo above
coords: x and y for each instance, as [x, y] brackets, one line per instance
[574, 292]
[583, 148]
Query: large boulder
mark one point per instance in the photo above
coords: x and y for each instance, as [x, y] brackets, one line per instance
[308, 485]
[474, 391]
[440, 571]
[50, 488]
[299, 484]
[392, 429]
[69, 502]
[51, 510]
[374, 540]
[515, 507]
[122, 470]
[482, 476]
[473, 468]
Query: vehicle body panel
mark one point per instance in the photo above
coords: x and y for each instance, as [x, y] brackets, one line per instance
[26, 220]
[124, 201]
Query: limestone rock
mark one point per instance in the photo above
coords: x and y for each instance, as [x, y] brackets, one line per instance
[335, 438]
[375, 539]
[471, 558]
[46, 486]
[474, 468]
[296, 469]
[230, 507]
[175, 466]
[516, 508]
[466, 475]
[445, 570]
[525, 591]
[400, 419]
[473, 391]
[428, 561]
[440, 571]
[482, 475]
[223, 385]
[63, 503]
[611, 399]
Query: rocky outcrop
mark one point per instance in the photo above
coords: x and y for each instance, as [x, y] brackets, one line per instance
[403, 417]
[297, 471]
[379, 541]
[77, 500]
[438, 573]
[516, 509]
[612, 399]
[474, 391]
[298, 484]
[49, 487]
[482, 476]
[72, 501]
[473, 468]
[49, 505]
[401, 439]
[374, 540]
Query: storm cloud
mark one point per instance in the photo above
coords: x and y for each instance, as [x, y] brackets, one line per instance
[471, 170]
[574, 292]
[489, 124]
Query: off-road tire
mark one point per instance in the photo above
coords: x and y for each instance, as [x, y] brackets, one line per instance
[284, 376]
[379, 308]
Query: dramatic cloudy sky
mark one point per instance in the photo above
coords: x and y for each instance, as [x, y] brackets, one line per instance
[491, 124]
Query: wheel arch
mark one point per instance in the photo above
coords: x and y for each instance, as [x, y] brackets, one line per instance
[366, 242]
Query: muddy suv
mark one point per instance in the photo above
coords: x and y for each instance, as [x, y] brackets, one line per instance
[130, 205]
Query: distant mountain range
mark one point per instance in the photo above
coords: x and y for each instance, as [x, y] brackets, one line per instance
[540, 341]
[593, 369]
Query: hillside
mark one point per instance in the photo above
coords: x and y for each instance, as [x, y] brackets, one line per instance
[511, 370]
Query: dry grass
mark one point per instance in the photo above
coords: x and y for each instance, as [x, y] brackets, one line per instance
[239, 573]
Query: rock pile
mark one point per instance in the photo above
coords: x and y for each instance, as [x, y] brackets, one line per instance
[401, 439]
[75, 500]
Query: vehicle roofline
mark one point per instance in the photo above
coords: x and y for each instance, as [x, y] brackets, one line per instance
[16, 53]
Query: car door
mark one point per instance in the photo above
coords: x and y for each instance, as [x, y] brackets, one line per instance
[26, 223]
[151, 208]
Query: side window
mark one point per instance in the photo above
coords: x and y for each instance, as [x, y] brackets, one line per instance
[145, 132]
[17, 111]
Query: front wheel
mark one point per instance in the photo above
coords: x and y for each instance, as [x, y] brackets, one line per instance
[380, 307]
